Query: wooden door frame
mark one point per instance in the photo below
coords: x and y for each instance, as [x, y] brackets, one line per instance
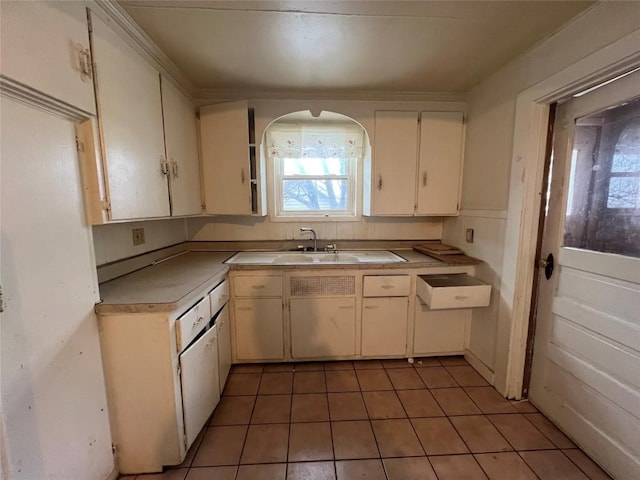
[526, 187]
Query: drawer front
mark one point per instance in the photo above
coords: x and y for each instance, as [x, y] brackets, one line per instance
[386, 285]
[192, 322]
[258, 286]
[455, 296]
[218, 297]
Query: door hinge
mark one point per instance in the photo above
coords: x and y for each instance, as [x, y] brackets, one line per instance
[1, 300]
[113, 448]
[464, 119]
[178, 370]
[79, 145]
[204, 206]
[106, 206]
[184, 440]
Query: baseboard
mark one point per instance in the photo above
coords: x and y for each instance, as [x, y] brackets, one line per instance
[479, 365]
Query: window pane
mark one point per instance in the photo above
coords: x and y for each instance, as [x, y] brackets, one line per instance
[315, 195]
[315, 166]
[603, 205]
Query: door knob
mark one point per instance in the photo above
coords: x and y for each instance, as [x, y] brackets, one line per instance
[548, 264]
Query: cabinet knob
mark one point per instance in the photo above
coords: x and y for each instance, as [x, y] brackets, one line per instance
[424, 179]
[164, 166]
[379, 182]
[243, 177]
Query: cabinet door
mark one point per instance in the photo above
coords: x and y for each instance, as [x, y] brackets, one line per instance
[224, 146]
[439, 331]
[395, 157]
[39, 37]
[258, 329]
[182, 150]
[200, 384]
[439, 175]
[130, 114]
[323, 327]
[384, 326]
[224, 346]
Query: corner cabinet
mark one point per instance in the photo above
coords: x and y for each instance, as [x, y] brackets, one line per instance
[417, 163]
[231, 160]
[147, 163]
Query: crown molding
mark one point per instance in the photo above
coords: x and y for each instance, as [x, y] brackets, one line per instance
[161, 61]
[206, 95]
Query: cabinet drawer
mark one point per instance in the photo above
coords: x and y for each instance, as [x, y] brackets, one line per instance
[192, 322]
[218, 297]
[258, 286]
[457, 290]
[386, 285]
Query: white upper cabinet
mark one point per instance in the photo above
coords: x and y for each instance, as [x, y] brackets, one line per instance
[229, 163]
[440, 166]
[395, 154]
[45, 46]
[408, 180]
[182, 151]
[130, 114]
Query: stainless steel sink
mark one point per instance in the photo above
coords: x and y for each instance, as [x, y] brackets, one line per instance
[318, 258]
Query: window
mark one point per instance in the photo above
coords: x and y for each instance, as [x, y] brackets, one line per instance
[315, 168]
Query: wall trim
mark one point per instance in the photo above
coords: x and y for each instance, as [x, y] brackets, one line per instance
[23, 93]
[479, 366]
[484, 213]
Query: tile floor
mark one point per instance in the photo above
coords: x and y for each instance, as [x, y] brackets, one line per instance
[375, 420]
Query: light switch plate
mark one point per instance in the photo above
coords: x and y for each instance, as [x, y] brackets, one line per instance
[138, 236]
[469, 235]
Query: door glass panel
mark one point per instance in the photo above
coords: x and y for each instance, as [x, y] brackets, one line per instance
[603, 204]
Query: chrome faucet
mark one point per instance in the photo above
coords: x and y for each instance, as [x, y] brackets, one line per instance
[315, 237]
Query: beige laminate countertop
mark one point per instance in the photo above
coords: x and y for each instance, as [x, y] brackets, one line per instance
[162, 287]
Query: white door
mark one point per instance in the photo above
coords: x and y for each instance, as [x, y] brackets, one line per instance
[384, 326]
[586, 362]
[200, 383]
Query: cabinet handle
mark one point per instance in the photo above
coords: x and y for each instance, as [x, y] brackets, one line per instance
[245, 309]
[209, 344]
[424, 179]
[387, 287]
[345, 307]
[197, 322]
[371, 307]
[174, 168]
[242, 176]
[379, 182]
[257, 287]
[461, 297]
[164, 166]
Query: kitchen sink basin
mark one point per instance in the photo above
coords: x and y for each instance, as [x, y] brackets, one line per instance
[315, 258]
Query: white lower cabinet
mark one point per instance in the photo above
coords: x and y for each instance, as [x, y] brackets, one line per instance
[439, 331]
[224, 346]
[200, 382]
[384, 326]
[258, 329]
[323, 327]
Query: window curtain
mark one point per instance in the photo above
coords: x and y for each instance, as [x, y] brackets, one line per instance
[302, 141]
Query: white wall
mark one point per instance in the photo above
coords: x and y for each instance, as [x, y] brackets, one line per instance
[114, 241]
[493, 175]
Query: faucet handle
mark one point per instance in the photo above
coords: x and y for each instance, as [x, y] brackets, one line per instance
[331, 247]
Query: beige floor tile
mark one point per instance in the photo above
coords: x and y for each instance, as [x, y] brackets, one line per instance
[519, 432]
[279, 367]
[342, 381]
[360, 469]
[212, 473]
[272, 409]
[347, 406]
[310, 407]
[220, 446]
[479, 434]
[396, 438]
[552, 432]
[310, 441]
[370, 380]
[266, 444]
[354, 440]
[172, 474]
[396, 363]
[233, 411]
[248, 368]
[339, 365]
[552, 465]
[419, 403]
[436, 377]
[489, 400]
[262, 472]
[367, 364]
[588, 466]
[382, 405]
[311, 471]
[276, 383]
[438, 437]
[405, 379]
[309, 367]
[454, 401]
[191, 453]
[466, 376]
[309, 382]
[242, 384]
[524, 406]
[505, 466]
[427, 362]
[410, 468]
[457, 467]
[453, 360]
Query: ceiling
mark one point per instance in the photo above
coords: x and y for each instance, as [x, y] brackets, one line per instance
[345, 46]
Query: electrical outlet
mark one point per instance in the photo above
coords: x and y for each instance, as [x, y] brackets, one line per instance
[138, 236]
[469, 235]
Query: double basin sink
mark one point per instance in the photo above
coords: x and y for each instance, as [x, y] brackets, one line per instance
[315, 258]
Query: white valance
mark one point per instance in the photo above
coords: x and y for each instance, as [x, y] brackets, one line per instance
[322, 141]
